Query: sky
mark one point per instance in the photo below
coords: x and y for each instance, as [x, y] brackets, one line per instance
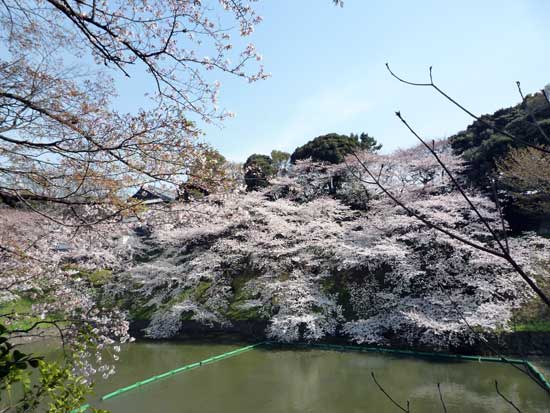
[328, 72]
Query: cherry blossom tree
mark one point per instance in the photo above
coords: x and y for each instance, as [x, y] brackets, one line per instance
[525, 173]
[500, 248]
[522, 166]
[311, 266]
[60, 138]
[71, 158]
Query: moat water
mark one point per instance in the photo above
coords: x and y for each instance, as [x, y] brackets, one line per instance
[295, 380]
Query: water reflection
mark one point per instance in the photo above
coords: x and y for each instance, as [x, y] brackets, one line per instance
[310, 381]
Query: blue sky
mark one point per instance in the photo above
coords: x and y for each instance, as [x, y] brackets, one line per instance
[328, 74]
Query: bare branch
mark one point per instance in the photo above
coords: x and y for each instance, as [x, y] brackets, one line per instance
[406, 410]
[510, 402]
[481, 120]
[500, 214]
[504, 252]
[441, 398]
[527, 108]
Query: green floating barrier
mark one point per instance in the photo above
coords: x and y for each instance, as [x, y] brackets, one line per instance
[122, 390]
[538, 375]
[179, 370]
[149, 380]
[163, 375]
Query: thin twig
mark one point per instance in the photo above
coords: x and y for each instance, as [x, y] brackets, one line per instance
[505, 254]
[441, 397]
[500, 214]
[461, 107]
[510, 402]
[407, 410]
[530, 113]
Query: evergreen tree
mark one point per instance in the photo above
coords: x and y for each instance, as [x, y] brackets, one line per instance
[257, 170]
[333, 148]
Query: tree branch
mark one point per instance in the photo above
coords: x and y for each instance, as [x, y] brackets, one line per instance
[450, 99]
[441, 398]
[510, 402]
[407, 410]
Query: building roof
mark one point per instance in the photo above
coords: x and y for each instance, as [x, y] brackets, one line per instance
[149, 194]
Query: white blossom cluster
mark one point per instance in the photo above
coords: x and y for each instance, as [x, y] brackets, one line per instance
[301, 259]
[53, 266]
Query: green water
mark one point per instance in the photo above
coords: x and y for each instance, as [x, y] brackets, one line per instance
[276, 381]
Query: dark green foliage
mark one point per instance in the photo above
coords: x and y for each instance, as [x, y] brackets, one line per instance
[255, 178]
[241, 296]
[263, 161]
[367, 142]
[12, 360]
[482, 147]
[333, 148]
[257, 171]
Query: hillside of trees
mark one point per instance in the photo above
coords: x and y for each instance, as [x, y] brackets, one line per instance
[300, 259]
